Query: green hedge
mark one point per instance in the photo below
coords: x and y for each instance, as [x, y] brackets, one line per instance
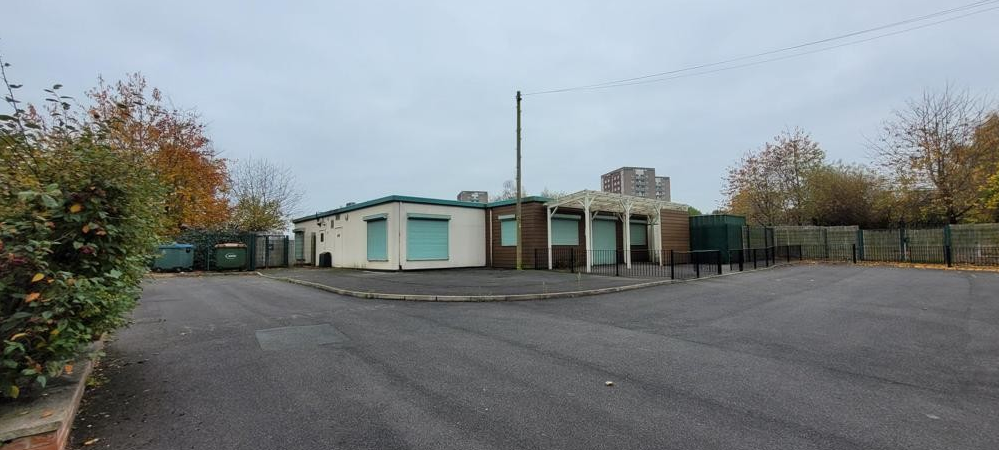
[72, 253]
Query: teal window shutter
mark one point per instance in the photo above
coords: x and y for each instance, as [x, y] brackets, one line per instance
[565, 232]
[426, 239]
[377, 240]
[638, 234]
[508, 232]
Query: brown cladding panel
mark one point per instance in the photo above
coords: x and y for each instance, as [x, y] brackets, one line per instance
[534, 230]
[676, 230]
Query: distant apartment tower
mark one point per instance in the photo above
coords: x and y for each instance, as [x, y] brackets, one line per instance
[637, 181]
[473, 196]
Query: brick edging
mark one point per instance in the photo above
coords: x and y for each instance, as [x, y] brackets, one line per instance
[55, 434]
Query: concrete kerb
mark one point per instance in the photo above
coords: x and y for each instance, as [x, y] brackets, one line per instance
[198, 273]
[491, 298]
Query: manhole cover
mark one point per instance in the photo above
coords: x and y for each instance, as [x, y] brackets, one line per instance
[289, 338]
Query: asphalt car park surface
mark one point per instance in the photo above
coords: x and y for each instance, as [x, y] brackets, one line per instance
[800, 357]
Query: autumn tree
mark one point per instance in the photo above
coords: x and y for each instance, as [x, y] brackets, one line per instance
[851, 194]
[264, 196]
[173, 142]
[986, 141]
[929, 149]
[770, 186]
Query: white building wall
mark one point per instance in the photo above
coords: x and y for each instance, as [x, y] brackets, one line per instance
[346, 239]
[466, 236]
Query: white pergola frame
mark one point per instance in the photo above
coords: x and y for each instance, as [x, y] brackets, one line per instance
[623, 206]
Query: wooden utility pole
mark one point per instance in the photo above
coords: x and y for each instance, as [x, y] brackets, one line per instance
[519, 234]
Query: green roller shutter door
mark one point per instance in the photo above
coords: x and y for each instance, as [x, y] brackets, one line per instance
[639, 234]
[508, 232]
[426, 239]
[299, 245]
[378, 240]
[604, 241]
[565, 232]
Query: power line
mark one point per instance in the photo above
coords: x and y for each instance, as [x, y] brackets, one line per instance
[755, 63]
[653, 78]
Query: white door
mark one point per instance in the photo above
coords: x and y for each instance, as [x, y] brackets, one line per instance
[338, 246]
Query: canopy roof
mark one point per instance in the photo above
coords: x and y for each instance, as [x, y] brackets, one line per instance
[615, 203]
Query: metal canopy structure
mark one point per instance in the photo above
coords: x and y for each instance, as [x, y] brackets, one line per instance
[622, 206]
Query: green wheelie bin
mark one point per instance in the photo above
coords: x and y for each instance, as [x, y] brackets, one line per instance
[230, 256]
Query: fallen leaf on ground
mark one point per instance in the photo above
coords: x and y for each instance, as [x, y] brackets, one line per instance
[46, 413]
[92, 441]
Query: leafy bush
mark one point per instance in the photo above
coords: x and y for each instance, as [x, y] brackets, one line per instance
[79, 218]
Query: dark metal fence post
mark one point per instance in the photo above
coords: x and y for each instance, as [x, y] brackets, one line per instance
[859, 246]
[267, 251]
[672, 267]
[572, 261]
[901, 244]
[854, 253]
[617, 265]
[947, 246]
[753, 250]
[825, 239]
[697, 265]
[742, 259]
[719, 262]
[287, 249]
[251, 253]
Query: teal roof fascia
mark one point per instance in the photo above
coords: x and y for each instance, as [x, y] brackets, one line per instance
[533, 198]
[391, 199]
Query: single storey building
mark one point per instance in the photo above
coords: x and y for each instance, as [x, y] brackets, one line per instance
[406, 233]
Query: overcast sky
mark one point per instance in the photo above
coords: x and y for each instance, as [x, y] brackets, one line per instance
[369, 98]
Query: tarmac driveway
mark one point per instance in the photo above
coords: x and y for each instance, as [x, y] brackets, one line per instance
[803, 357]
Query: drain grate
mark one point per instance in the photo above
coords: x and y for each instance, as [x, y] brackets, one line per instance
[297, 337]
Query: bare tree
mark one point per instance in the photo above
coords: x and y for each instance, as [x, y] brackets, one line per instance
[553, 194]
[928, 149]
[770, 185]
[510, 191]
[264, 195]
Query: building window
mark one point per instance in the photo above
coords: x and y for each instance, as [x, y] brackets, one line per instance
[377, 239]
[320, 237]
[565, 231]
[427, 238]
[639, 233]
[508, 231]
